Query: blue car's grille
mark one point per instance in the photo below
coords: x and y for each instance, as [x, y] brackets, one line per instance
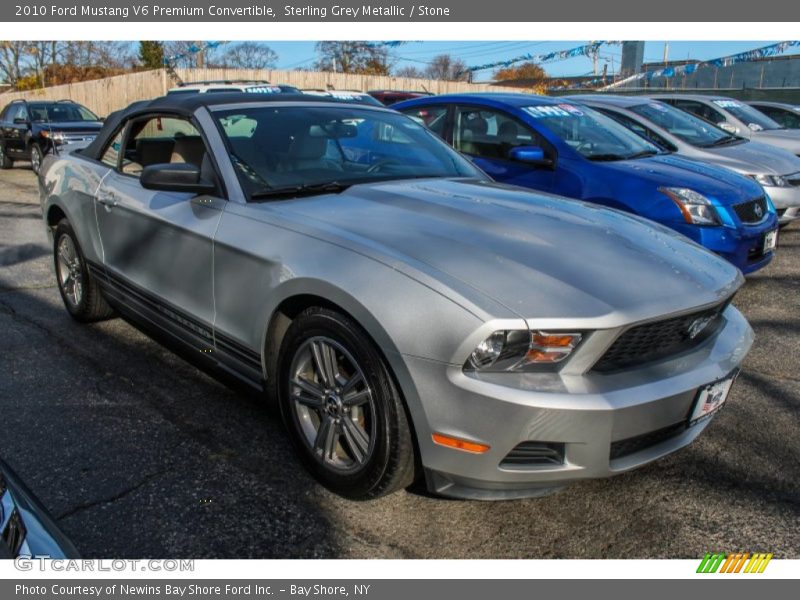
[653, 341]
[752, 211]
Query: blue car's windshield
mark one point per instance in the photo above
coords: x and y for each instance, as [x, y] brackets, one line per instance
[590, 133]
[682, 125]
[289, 147]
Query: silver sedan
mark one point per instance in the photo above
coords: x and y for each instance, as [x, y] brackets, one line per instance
[411, 318]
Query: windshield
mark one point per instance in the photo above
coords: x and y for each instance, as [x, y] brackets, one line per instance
[284, 147]
[590, 133]
[682, 125]
[60, 112]
[755, 120]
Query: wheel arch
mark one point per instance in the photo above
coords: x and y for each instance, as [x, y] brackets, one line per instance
[297, 295]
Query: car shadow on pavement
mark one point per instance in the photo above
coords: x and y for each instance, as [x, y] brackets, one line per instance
[138, 453]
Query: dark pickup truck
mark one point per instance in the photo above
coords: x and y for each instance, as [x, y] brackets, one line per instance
[30, 129]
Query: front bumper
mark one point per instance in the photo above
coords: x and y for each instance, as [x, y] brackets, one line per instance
[586, 413]
[786, 201]
[742, 245]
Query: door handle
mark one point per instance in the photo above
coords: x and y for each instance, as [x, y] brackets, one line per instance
[109, 200]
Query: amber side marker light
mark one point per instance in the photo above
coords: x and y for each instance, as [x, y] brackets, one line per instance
[464, 445]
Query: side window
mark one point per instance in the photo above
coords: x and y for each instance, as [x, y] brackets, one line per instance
[111, 154]
[433, 117]
[20, 113]
[157, 140]
[639, 129]
[10, 113]
[489, 133]
[701, 110]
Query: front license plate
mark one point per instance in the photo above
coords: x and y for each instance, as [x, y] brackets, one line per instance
[770, 241]
[711, 398]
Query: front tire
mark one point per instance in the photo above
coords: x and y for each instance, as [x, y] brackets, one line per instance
[343, 412]
[36, 158]
[5, 161]
[79, 290]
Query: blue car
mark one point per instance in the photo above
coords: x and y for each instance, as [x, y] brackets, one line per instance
[571, 150]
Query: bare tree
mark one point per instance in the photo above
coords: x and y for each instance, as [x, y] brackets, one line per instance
[249, 55]
[43, 54]
[353, 57]
[446, 67]
[12, 60]
[410, 71]
[90, 53]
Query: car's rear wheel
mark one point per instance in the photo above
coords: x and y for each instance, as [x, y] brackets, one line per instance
[341, 407]
[5, 161]
[79, 290]
[36, 157]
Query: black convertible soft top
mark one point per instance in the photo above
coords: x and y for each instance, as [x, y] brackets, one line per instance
[186, 104]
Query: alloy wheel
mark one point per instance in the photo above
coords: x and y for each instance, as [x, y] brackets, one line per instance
[36, 160]
[333, 404]
[70, 274]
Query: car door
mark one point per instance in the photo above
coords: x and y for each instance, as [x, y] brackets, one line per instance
[158, 246]
[487, 136]
[15, 129]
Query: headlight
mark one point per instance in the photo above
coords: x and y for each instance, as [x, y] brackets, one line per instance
[521, 350]
[56, 136]
[695, 208]
[770, 180]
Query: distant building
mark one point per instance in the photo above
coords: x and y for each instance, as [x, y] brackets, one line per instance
[771, 72]
[632, 58]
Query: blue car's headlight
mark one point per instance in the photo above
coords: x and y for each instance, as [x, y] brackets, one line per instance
[694, 206]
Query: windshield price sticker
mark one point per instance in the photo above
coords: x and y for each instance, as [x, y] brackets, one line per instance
[542, 112]
[264, 89]
[728, 103]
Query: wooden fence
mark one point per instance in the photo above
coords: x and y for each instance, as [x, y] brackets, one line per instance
[104, 96]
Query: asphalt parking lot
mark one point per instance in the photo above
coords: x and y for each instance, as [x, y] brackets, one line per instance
[139, 454]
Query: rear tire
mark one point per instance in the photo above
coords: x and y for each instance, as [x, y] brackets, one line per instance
[343, 412]
[79, 290]
[5, 161]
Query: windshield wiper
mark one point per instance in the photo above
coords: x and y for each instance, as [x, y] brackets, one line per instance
[293, 191]
[642, 154]
[606, 157]
[722, 141]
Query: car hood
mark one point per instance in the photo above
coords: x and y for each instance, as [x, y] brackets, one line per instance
[93, 126]
[670, 170]
[788, 139]
[538, 255]
[755, 158]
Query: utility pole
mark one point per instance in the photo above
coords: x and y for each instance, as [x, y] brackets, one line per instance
[666, 53]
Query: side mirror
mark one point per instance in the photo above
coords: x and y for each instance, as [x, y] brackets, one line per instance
[532, 155]
[175, 177]
[725, 126]
[21, 121]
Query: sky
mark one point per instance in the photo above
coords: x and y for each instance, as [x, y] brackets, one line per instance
[301, 54]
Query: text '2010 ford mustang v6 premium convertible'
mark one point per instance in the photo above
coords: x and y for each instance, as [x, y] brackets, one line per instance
[409, 316]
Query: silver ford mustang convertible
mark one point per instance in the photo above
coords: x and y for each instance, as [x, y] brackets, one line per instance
[410, 317]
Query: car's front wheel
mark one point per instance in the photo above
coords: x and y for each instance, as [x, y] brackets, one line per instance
[79, 290]
[343, 411]
[36, 158]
